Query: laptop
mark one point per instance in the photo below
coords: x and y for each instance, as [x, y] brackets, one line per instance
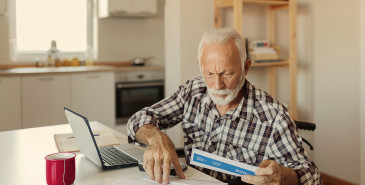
[109, 157]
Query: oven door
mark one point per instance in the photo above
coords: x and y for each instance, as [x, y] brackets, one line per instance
[132, 97]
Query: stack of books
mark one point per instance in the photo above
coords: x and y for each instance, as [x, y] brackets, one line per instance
[262, 51]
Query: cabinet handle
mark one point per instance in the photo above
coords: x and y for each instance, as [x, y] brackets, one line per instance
[46, 79]
[93, 76]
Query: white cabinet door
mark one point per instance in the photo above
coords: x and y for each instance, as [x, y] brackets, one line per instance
[120, 5]
[144, 6]
[2, 7]
[44, 97]
[128, 8]
[93, 95]
[10, 111]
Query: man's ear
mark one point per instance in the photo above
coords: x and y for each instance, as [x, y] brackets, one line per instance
[247, 66]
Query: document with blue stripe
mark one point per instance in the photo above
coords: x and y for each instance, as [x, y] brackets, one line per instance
[220, 164]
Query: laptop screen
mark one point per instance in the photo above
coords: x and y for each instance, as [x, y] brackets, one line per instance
[84, 136]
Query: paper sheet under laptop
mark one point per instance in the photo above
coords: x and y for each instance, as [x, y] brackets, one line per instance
[172, 181]
[67, 142]
[220, 164]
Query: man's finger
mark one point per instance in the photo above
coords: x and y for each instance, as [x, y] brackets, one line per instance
[158, 170]
[177, 167]
[264, 171]
[166, 170]
[265, 163]
[145, 160]
[150, 165]
[259, 179]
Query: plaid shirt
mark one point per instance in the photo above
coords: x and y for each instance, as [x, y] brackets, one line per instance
[259, 128]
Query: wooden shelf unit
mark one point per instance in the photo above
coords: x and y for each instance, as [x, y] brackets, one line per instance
[229, 3]
[291, 62]
[270, 64]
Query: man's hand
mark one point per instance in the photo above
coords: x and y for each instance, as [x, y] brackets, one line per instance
[270, 172]
[160, 152]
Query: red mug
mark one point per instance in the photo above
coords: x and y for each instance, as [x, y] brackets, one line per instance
[60, 168]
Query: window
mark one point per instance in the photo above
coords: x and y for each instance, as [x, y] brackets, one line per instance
[34, 24]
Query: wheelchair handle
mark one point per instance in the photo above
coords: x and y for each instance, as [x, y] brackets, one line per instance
[305, 125]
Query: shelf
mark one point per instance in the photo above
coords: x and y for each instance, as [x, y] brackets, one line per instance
[229, 3]
[268, 64]
[270, 2]
[271, 6]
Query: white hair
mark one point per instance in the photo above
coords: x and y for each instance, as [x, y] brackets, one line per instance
[222, 36]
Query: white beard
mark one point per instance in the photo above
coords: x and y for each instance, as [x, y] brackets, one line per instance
[231, 93]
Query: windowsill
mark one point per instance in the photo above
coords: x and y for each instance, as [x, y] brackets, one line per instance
[26, 57]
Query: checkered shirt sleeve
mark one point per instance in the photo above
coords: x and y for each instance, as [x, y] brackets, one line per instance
[164, 114]
[286, 149]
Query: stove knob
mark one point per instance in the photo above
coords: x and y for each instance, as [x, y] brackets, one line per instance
[140, 76]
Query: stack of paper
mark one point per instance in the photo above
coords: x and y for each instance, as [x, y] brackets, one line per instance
[262, 51]
[67, 142]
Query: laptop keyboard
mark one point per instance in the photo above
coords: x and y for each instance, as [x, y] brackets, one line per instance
[112, 156]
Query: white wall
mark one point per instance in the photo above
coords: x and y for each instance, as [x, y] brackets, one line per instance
[184, 26]
[126, 38]
[4, 39]
[362, 91]
[336, 87]
[118, 38]
[172, 46]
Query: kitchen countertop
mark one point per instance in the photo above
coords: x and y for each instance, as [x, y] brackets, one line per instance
[79, 69]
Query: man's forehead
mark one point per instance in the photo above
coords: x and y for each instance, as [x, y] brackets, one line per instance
[219, 49]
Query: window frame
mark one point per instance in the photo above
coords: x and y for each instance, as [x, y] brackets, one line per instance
[31, 56]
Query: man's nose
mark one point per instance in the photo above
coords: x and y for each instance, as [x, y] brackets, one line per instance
[218, 82]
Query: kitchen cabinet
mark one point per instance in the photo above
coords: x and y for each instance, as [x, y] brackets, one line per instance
[93, 95]
[127, 8]
[10, 103]
[2, 7]
[43, 98]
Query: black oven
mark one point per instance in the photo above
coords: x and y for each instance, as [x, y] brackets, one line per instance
[136, 90]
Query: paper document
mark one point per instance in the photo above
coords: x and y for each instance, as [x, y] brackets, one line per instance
[176, 181]
[172, 181]
[67, 142]
[220, 164]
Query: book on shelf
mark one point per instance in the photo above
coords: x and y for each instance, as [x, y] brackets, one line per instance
[259, 43]
[255, 56]
[262, 50]
[273, 56]
[268, 61]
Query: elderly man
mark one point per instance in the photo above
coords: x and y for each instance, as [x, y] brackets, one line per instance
[224, 114]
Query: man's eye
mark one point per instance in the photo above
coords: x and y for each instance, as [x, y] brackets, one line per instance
[227, 75]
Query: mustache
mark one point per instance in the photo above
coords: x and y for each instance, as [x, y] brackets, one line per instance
[221, 91]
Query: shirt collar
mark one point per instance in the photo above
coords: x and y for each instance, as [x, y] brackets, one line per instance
[245, 108]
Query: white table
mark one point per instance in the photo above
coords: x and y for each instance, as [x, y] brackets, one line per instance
[22, 160]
